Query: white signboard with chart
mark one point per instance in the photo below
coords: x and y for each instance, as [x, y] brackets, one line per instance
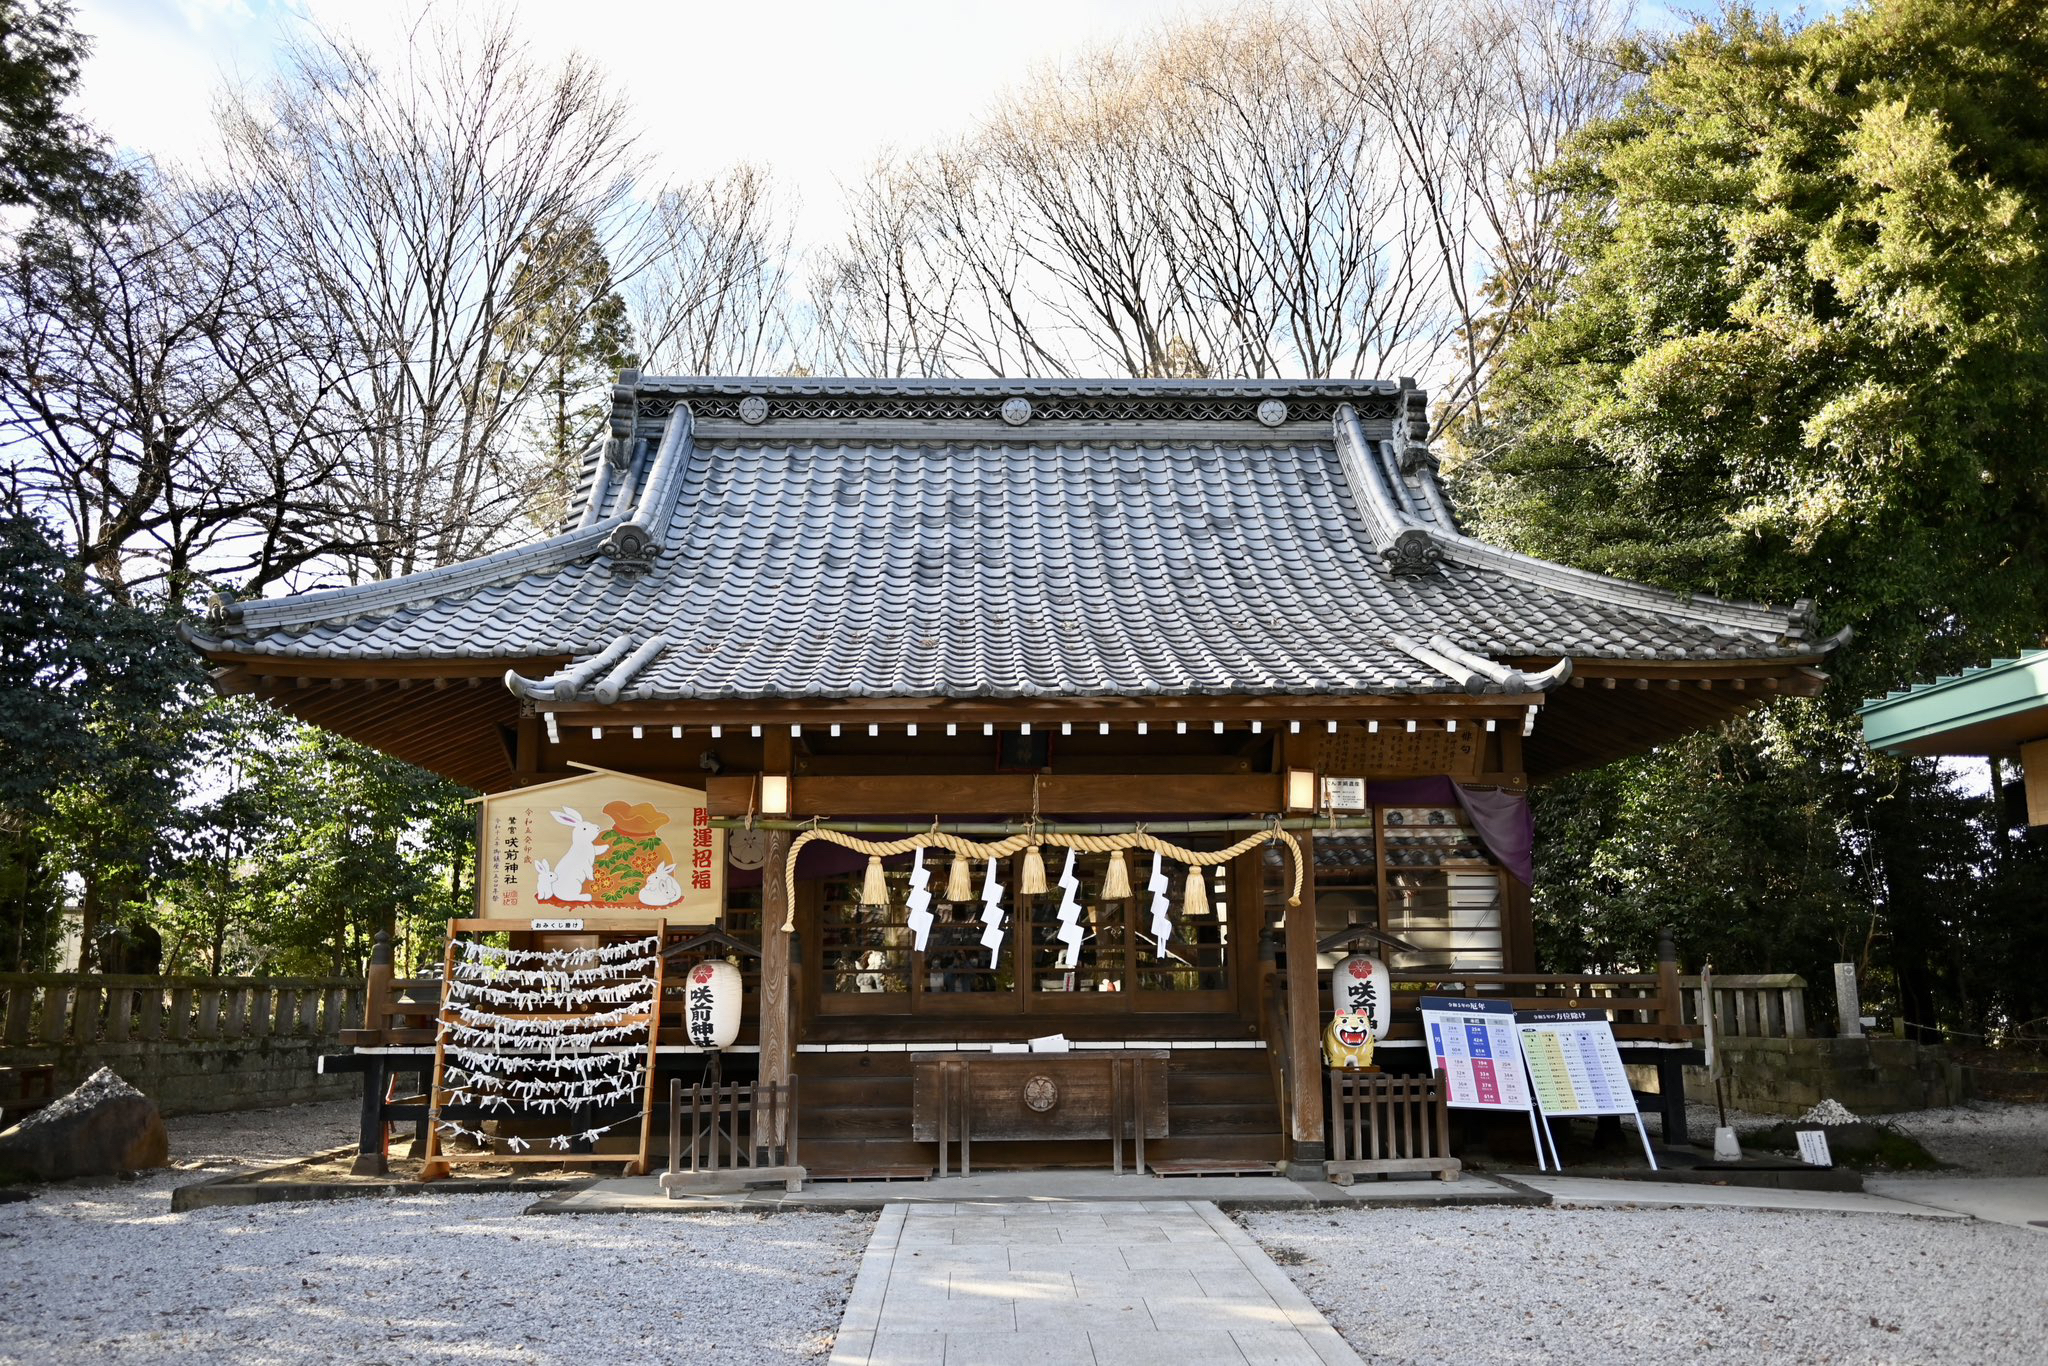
[1575, 1068]
[1472, 1046]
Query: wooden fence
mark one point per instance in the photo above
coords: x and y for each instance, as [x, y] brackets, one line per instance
[1382, 1126]
[1760, 1006]
[56, 1009]
[726, 1130]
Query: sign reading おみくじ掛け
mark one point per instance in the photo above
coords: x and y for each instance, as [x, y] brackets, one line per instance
[605, 844]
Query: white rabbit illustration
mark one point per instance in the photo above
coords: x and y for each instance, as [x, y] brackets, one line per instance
[573, 869]
[543, 880]
[662, 889]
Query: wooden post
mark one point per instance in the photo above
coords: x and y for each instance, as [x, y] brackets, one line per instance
[1671, 1012]
[1304, 1046]
[370, 1160]
[1670, 1063]
[778, 1044]
[377, 984]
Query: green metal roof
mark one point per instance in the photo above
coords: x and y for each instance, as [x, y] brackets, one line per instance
[1984, 710]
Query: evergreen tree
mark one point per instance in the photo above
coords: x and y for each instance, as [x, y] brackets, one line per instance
[1801, 350]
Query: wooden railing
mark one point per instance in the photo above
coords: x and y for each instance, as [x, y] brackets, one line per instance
[1383, 1126]
[731, 1133]
[54, 1009]
[1642, 1006]
[1760, 1006]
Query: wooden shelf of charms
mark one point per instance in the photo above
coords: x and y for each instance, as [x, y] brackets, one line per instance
[593, 937]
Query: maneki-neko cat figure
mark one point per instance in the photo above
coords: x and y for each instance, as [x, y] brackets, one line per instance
[625, 864]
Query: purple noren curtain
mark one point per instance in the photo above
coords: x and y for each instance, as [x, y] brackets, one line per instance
[1502, 818]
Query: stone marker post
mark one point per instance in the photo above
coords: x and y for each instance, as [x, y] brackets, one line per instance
[1848, 1007]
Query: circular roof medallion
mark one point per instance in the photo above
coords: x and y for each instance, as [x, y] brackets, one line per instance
[1272, 412]
[753, 410]
[1016, 411]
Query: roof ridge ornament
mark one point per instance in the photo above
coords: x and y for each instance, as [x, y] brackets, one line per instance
[631, 548]
[1408, 547]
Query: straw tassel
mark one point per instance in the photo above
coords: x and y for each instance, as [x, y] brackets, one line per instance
[1116, 883]
[960, 882]
[1033, 881]
[874, 889]
[1197, 900]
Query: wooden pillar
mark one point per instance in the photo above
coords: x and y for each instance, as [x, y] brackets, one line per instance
[1304, 1021]
[1517, 924]
[778, 1043]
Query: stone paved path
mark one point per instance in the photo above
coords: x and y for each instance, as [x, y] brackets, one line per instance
[1119, 1283]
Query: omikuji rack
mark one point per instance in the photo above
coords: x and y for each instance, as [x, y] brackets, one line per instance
[604, 931]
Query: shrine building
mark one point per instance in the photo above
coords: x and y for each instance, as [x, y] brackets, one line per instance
[1209, 613]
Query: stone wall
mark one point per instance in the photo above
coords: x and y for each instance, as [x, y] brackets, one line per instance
[194, 1045]
[1871, 1076]
[202, 1077]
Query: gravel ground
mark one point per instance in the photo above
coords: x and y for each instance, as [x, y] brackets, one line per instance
[98, 1272]
[207, 1144]
[1983, 1138]
[1620, 1286]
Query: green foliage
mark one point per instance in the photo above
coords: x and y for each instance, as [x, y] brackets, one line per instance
[295, 846]
[1804, 347]
[1801, 351]
[92, 739]
[48, 158]
[1732, 836]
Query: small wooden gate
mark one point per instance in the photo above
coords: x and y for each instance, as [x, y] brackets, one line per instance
[720, 1127]
[1382, 1125]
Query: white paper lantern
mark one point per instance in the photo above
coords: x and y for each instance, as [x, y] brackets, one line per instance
[1359, 986]
[711, 1005]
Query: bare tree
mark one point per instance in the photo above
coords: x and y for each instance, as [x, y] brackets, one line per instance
[713, 298]
[140, 361]
[884, 298]
[1478, 97]
[402, 202]
[1205, 202]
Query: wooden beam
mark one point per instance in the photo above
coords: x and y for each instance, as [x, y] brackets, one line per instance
[439, 666]
[1010, 794]
[1117, 711]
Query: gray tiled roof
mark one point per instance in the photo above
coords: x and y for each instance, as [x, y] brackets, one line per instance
[792, 558]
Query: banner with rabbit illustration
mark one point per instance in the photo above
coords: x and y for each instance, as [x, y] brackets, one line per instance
[603, 843]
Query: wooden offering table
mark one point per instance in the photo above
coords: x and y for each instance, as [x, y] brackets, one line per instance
[1034, 1096]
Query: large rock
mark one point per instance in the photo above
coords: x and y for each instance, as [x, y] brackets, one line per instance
[104, 1127]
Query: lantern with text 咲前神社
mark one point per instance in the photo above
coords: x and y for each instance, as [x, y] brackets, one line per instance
[1359, 986]
[711, 1005]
